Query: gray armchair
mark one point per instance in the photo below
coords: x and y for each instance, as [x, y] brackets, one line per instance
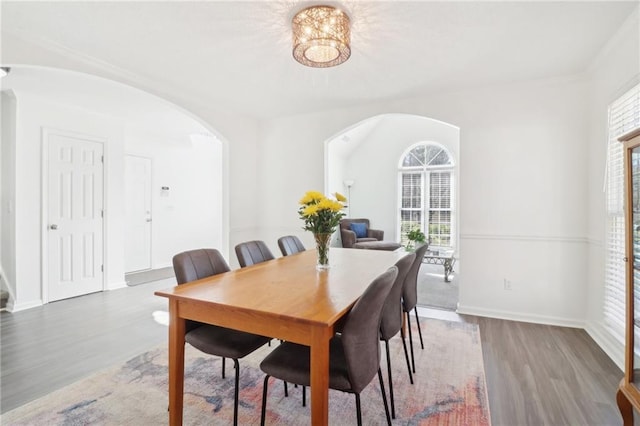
[349, 237]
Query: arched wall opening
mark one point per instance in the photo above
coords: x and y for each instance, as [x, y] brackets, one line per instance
[366, 156]
[363, 162]
[186, 154]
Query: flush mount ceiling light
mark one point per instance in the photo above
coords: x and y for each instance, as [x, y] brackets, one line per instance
[321, 36]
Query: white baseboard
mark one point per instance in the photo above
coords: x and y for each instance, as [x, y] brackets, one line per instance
[116, 285]
[609, 344]
[8, 285]
[11, 307]
[438, 313]
[520, 316]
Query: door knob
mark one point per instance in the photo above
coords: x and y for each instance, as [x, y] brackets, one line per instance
[53, 226]
[148, 219]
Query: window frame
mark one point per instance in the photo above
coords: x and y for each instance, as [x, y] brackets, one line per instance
[425, 171]
[623, 116]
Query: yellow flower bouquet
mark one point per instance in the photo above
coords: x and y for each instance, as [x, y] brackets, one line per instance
[321, 216]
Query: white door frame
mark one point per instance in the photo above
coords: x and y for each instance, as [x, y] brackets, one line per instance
[44, 208]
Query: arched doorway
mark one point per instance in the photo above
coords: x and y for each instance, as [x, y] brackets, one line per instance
[126, 121]
[363, 161]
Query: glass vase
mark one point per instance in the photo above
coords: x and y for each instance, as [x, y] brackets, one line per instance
[322, 246]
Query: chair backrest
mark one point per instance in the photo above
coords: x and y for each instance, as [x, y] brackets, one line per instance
[345, 223]
[252, 252]
[290, 244]
[391, 320]
[410, 287]
[360, 335]
[196, 264]
[346, 235]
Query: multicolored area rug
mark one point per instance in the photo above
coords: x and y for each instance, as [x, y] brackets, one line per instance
[449, 389]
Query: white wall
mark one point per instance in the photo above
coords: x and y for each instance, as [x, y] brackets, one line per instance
[522, 189]
[522, 200]
[8, 194]
[336, 173]
[241, 149]
[613, 72]
[291, 163]
[34, 114]
[192, 216]
[189, 215]
[373, 164]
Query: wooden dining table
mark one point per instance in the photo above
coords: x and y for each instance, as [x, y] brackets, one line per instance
[285, 298]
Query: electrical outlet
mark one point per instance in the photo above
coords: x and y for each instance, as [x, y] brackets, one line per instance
[507, 284]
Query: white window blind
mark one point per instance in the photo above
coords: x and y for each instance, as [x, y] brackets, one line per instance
[440, 208]
[624, 116]
[426, 194]
[411, 204]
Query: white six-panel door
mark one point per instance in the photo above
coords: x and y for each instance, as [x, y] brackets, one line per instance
[137, 215]
[75, 216]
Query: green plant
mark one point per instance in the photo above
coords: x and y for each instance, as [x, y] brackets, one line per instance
[415, 236]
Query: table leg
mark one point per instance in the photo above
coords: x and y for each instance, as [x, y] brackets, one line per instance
[176, 364]
[320, 377]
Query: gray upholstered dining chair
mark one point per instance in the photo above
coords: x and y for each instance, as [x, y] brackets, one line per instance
[410, 297]
[252, 252]
[354, 354]
[290, 244]
[391, 321]
[212, 339]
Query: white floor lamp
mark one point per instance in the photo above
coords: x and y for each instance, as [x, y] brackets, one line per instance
[349, 183]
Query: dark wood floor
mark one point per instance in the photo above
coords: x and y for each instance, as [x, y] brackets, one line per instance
[543, 375]
[536, 374]
[48, 347]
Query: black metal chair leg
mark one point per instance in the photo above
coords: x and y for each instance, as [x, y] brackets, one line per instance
[359, 409]
[286, 389]
[235, 402]
[223, 363]
[406, 356]
[393, 405]
[413, 360]
[419, 331]
[304, 396]
[384, 397]
[264, 400]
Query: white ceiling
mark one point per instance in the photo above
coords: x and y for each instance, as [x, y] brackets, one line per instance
[237, 54]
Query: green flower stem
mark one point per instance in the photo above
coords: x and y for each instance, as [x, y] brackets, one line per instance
[322, 246]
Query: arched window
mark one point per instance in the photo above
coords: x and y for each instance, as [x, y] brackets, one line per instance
[426, 194]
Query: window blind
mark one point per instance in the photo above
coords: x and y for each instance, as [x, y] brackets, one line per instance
[624, 116]
[411, 204]
[440, 208]
[426, 194]
[411, 190]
